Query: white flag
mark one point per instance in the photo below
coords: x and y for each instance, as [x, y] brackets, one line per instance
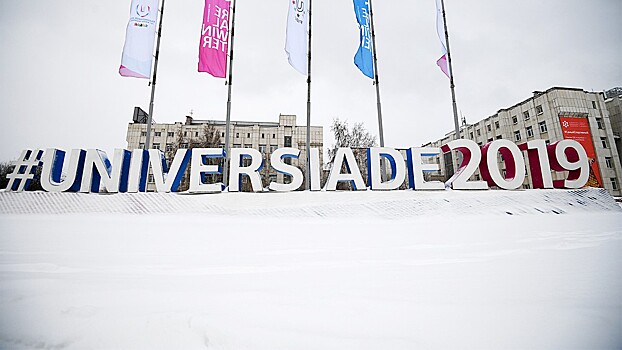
[296, 42]
[139, 39]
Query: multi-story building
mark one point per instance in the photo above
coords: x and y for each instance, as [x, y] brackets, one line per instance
[614, 107]
[262, 136]
[541, 117]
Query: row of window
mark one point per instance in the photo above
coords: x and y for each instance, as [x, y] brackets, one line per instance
[169, 146]
[196, 134]
[529, 131]
[159, 134]
[526, 115]
[517, 134]
[541, 125]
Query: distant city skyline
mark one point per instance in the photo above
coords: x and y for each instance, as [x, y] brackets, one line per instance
[61, 87]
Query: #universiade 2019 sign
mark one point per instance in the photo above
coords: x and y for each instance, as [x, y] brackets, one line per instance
[92, 171]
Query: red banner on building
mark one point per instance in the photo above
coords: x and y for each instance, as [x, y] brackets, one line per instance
[578, 129]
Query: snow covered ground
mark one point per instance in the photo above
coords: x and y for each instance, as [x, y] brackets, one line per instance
[370, 270]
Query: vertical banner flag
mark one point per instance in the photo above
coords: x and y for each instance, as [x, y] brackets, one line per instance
[578, 129]
[440, 30]
[364, 57]
[296, 41]
[137, 56]
[214, 43]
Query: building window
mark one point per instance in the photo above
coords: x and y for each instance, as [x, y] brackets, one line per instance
[196, 134]
[222, 134]
[158, 133]
[143, 133]
[526, 186]
[169, 147]
[542, 126]
[263, 135]
[526, 115]
[272, 148]
[288, 141]
[183, 145]
[603, 141]
[514, 120]
[489, 127]
[273, 136]
[497, 124]
[247, 145]
[156, 146]
[479, 133]
[599, 122]
[170, 134]
[141, 146]
[471, 135]
[498, 137]
[614, 183]
[594, 104]
[150, 178]
[262, 149]
[237, 145]
[517, 136]
[529, 131]
[539, 110]
[608, 162]
[185, 133]
[237, 135]
[248, 135]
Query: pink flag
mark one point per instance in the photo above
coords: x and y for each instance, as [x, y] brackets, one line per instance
[443, 65]
[440, 30]
[214, 43]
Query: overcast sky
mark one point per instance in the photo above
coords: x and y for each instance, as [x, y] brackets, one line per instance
[60, 85]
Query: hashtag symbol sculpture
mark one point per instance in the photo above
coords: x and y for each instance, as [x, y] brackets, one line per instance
[25, 170]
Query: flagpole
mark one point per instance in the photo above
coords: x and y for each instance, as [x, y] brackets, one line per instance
[377, 84]
[153, 81]
[225, 172]
[309, 106]
[451, 75]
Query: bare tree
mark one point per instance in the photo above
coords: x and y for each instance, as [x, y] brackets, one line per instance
[5, 169]
[357, 138]
[209, 137]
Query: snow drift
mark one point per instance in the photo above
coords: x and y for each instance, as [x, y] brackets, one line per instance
[370, 270]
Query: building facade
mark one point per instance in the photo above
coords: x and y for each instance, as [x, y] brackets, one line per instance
[544, 116]
[265, 137]
[614, 107]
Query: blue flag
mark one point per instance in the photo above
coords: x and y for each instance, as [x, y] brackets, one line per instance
[363, 58]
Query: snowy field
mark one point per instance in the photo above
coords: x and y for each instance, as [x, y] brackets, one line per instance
[390, 270]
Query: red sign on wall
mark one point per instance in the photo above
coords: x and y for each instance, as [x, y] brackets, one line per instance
[578, 129]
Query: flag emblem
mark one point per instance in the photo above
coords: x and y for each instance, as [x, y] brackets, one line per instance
[143, 10]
